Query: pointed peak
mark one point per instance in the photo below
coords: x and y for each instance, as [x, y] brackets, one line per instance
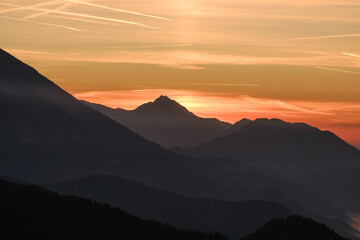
[164, 105]
[163, 99]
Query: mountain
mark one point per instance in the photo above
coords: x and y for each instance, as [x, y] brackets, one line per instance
[238, 125]
[48, 135]
[31, 212]
[290, 147]
[265, 184]
[294, 228]
[166, 122]
[339, 185]
[234, 219]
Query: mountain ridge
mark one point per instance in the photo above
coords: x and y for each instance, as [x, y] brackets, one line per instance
[166, 122]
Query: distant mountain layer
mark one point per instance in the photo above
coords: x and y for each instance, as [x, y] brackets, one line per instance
[47, 135]
[339, 185]
[272, 142]
[166, 122]
[294, 228]
[31, 212]
[234, 219]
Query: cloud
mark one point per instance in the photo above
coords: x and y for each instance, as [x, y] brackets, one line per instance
[119, 10]
[46, 24]
[193, 59]
[351, 54]
[338, 70]
[83, 20]
[155, 46]
[35, 15]
[329, 36]
[44, 10]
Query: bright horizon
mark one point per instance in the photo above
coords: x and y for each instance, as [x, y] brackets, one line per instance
[297, 61]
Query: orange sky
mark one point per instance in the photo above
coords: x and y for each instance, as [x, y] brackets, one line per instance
[299, 61]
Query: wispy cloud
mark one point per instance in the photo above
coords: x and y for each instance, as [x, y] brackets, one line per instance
[329, 36]
[96, 17]
[351, 55]
[42, 23]
[182, 59]
[338, 70]
[211, 84]
[119, 10]
[35, 15]
[19, 8]
[83, 20]
[47, 11]
[154, 46]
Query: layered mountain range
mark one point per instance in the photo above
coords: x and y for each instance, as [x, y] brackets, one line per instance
[50, 138]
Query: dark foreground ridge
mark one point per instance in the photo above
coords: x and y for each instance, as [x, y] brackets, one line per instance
[31, 212]
[294, 228]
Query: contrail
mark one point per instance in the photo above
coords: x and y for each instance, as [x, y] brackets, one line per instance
[351, 54]
[96, 17]
[47, 24]
[154, 46]
[73, 14]
[329, 36]
[18, 8]
[119, 10]
[89, 16]
[84, 20]
[35, 15]
[338, 70]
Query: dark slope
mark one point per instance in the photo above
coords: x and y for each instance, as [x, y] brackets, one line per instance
[47, 135]
[167, 122]
[50, 136]
[294, 228]
[238, 125]
[275, 143]
[31, 212]
[339, 185]
[265, 184]
[234, 219]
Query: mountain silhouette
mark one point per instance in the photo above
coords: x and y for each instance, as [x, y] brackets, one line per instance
[48, 135]
[233, 219]
[166, 122]
[339, 185]
[238, 125]
[31, 212]
[290, 147]
[294, 228]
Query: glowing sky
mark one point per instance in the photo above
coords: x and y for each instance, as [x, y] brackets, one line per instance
[299, 61]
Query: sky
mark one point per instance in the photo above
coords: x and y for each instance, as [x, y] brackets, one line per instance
[230, 59]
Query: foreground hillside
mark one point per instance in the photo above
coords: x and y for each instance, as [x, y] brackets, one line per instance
[294, 228]
[30, 212]
[235, 219]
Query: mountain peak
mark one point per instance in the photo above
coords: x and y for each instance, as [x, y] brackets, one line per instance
[163, 99]
[162, 105]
